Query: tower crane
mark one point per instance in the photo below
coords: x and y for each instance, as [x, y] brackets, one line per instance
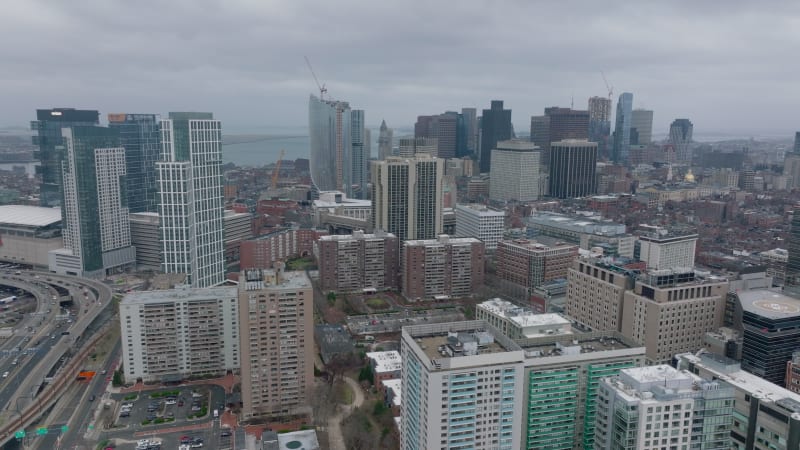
[277, 172]
[609, 87]
[321, 87]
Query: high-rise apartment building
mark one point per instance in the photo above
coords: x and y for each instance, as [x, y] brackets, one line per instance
[360, 154]
[771, 323]
[331, 140]
[573, 168]
[670, 312]
[385, 141]
[407, 196]
[622, 129]
[595, 292]
[97, 236]
[792, 281]
[267, 249]
[526, 264]
[680, 136]
[48, 125]
[480, 222]
[659, 407]
[191, 201]
[353, 262]
[662, 248]
[766, 416]
[514, 175]
[461, 385]
[277, 341]
[495, 127]
[470, 116]
[641, 126]
[442, 267]
[170, 335]
[140, 135]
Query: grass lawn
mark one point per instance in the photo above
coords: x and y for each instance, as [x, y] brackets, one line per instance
[300, 263]
[377, 303]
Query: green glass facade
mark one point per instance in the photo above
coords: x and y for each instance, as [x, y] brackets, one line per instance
[594, 373]
[552, 407]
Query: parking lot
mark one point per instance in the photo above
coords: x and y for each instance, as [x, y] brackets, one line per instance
[164, 407]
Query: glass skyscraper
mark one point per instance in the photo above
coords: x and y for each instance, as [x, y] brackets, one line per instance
[48, 125]
[140, 135]
[495, 127]
[331, 145]
[360, 154]
[191, 200]
[622, 129]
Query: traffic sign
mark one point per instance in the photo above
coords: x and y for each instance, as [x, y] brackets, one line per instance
[41, 431]
[19, 434]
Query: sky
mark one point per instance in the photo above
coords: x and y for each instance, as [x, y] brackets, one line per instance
[729, 66]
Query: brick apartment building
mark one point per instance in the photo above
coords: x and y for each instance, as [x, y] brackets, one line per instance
[525, 264]
[352, 262]
[443, 267]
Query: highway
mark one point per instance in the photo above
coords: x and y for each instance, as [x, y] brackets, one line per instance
[92, 299]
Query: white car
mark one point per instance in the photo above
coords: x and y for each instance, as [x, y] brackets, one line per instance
[170, 401]
[5, 374]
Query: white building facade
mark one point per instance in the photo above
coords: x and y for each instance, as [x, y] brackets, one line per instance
[478, 221]
[514, 173]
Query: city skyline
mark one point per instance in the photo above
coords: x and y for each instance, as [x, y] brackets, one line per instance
[723, 61]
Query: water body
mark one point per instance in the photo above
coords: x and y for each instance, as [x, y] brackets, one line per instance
[259, 150]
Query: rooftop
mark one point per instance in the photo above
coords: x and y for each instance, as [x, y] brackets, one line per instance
[182, 293]
[576, 344]
[395, 384]
[444, 240]
[770, 304]
[386, 361]
[540, 244]
[30, 216]
[255, 279]
[482, 210]
[444, 341]
[298, 440]
[521, 316]
[579, 223]
[357, 235]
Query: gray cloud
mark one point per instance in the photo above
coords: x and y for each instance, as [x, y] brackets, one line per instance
[729, 66]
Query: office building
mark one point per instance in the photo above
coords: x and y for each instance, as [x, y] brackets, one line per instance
[670, 312]
[622, 130]
[558, 124]
[573, 167]
[658, 407]
[792, 281]
[29, 234]
[595, 292]
[407, 196]
[237, 228]
[360, 153]
[443, 128]
[663, 248]
[680, 136]
[641, 127]
[191, 203]
[461, 385]
[514, 175]
[765, 415]
[771, 323]
[523, 265]
[562, 375]
[470, 116]
[480, 222]
[517, 322]
[793, 373]
[600, 123]
[495, 127]
[48, 138]
[407, 147]
[441, 268]
[146, 237]
[276, 319]
[385, 141]
[331, 141]
[171, 335]
[140, 135]
[589, 232]
[358, 261]
[97, 236]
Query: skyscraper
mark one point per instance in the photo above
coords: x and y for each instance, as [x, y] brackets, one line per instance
[48, 125]
[622, 129]
[558, 124]
[797, 142]
[443, 128]
[407, 196]
[495, 127]
[573, 166]
[680, 136]
[360, 154]
[470, 116]
[410, 146]
[384, 142]
[331, 145]
[140, 135]
[600, 123]
[96, 233]
[792, 281]
[191, 201]
[514, 174]
[641, 126]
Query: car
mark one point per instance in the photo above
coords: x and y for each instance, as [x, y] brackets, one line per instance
[196, 408]
[91, 398]
[124, 414]
[5, 374]
[180, 403]
[151, 417]
[186, 440]
[225, 433]
[170, 401]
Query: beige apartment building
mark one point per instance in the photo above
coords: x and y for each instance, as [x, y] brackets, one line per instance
[595, 292]
[670, 312]
[277, 340]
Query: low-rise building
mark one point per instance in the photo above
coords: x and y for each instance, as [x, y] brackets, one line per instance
[28, 234]
[385, 366]
[585, 230]
[520, 323]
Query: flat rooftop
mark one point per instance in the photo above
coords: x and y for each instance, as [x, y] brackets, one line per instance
[386, 361]
[541, 347]
[255, 279]
[183, 293]
[770, 304]
[577, 223]
[431, 338]
[482, 210]
[29, 216]
[443, 240]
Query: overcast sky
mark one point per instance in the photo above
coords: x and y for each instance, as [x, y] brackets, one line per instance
[729, 66]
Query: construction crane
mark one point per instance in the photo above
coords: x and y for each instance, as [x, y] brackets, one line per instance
[321, 87]
[609, 87]
[277, 172]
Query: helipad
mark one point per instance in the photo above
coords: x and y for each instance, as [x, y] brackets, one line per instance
[772, 304]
